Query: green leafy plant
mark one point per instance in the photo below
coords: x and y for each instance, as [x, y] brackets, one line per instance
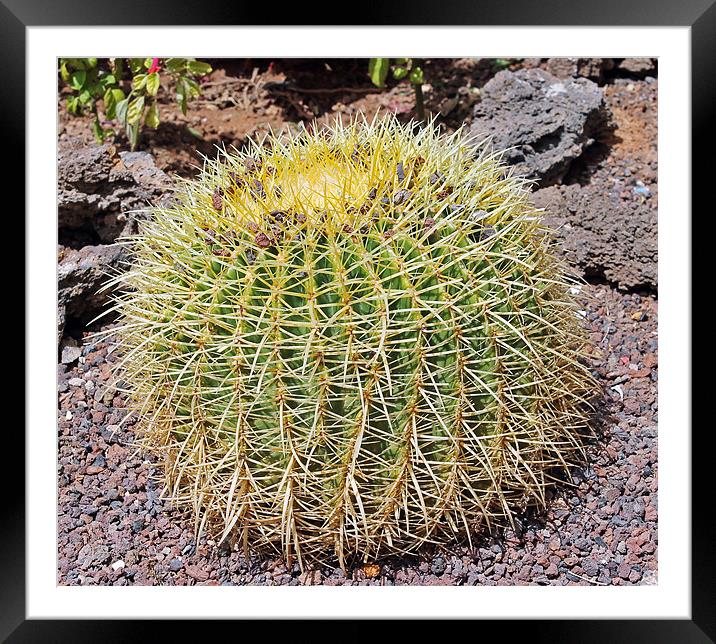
[127, 90]
[401, 69]
[498, 64]
[353, 342]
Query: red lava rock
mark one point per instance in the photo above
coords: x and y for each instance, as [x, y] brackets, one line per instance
[197, 573]
[650, 360]
[648, 548]
[116, 454]
[634, 576]
[640, 373]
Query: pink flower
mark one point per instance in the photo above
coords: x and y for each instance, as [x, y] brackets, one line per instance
[155, 66]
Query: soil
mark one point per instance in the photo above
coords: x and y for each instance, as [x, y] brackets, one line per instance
[114, 528]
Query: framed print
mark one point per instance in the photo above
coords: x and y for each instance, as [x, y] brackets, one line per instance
[359, 321]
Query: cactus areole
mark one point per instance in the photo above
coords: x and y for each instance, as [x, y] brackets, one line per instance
[353, 343]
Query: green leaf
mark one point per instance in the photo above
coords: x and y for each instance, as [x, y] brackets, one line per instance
[118, 66]
[76, 63]
[138, 82]
[181, 95]
[417, 77]
[77, 79]
[84, 97]
[148, 62]
[64, 73]
[110, 104]
[152, 83]
[152, 117]
[378, 70]
[112, 97]
[133, 134]
[91, 63]
[97, 130]
[400, 73]
[175, 65]
[120, 110]
[136, 65]
[72, 104]
[195, 133]
[193, 89]
[198, 68]
[135, 110]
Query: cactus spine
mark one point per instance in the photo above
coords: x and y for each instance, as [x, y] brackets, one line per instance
[353, 343]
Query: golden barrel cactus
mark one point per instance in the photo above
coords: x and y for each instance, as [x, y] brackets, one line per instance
[353, 342]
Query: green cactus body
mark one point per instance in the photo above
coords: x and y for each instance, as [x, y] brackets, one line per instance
[353, 343]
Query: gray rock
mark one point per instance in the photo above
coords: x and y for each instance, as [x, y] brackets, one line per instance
[102, 195]
[438, 566]
[70, 354]
[80, 275]
[590, 567]
[591, 68]
[638, 66]
[602, 236]
[100, 191]
[92, 555]
[545, 122]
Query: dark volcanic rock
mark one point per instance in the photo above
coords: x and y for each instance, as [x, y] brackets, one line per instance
[546, 121]
[101, 196]
[608, 214]
[638, 66]
[591, 68]
[603, 236]
[98, 189]
[80, 274]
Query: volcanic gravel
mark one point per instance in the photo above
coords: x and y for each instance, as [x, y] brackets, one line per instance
[114, 529]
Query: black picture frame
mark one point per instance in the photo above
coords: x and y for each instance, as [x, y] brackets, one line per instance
[700, 15]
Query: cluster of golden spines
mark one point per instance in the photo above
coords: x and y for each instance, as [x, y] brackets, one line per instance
[353, 343]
